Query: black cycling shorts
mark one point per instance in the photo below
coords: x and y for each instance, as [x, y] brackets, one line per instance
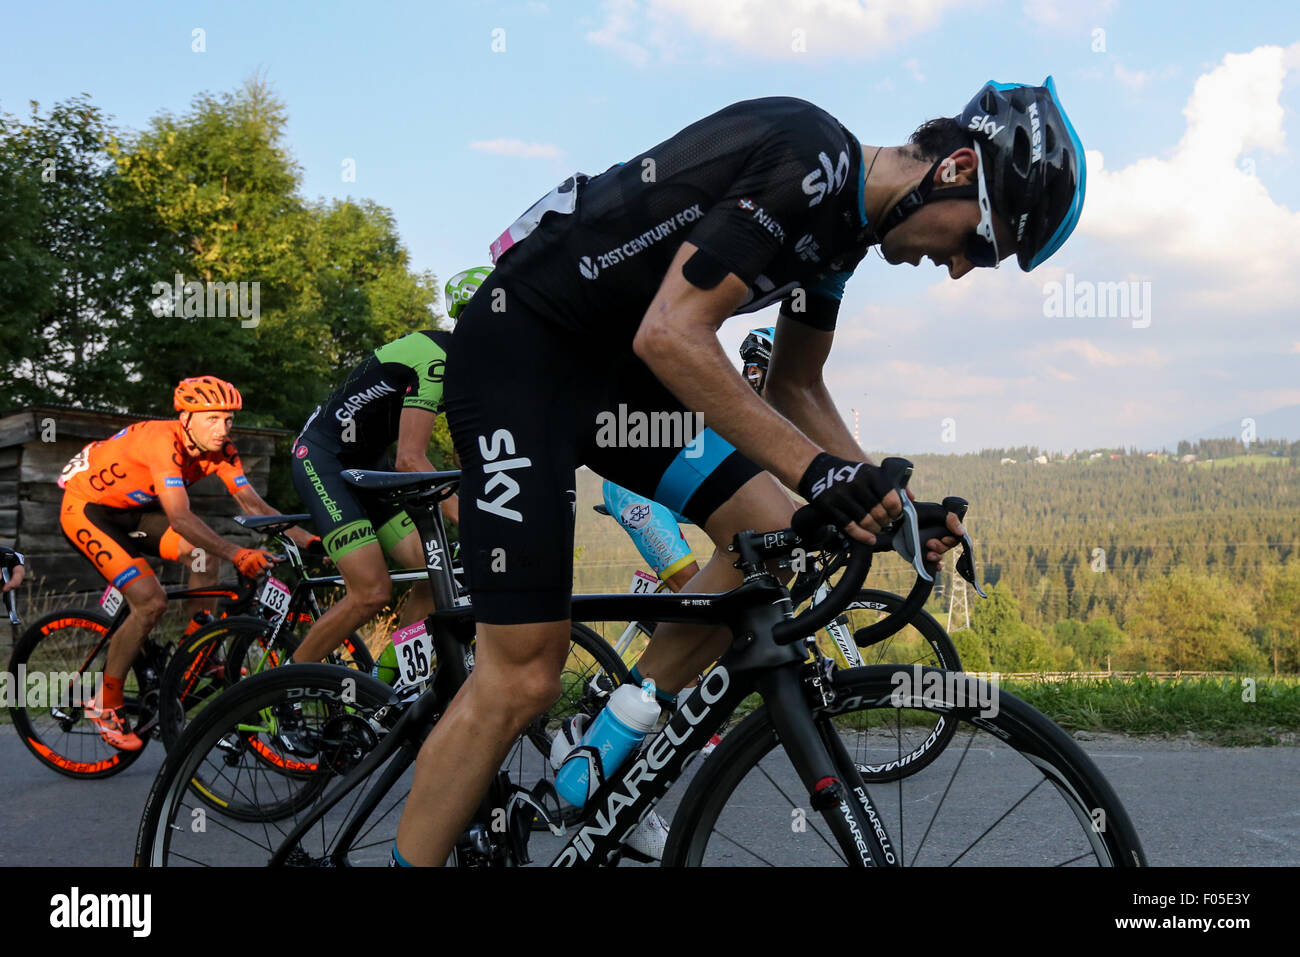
[527, 404]
[346, 518]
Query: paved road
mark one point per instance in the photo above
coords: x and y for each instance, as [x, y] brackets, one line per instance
[1192, 805]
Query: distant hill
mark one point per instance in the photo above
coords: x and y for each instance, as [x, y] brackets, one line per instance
[1279, 424]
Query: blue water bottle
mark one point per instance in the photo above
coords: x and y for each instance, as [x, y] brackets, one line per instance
[628, 717]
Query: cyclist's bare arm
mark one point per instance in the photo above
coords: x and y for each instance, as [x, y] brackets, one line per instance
[252, 504]
[795, 388]
[678, 340]
[414, 431]
[176, 503]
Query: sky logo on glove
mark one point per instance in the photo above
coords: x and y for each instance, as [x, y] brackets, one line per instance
[844, 473]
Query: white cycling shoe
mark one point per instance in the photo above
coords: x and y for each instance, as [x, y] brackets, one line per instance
[647, 840]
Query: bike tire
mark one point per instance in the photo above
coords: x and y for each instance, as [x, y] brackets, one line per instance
[239, 643]
[173, 805]
[930, 646]
[746, 789]
[59, 643]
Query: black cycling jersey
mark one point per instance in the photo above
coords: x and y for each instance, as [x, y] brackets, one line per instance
[10, 559]
[769, 189]
[360, 418]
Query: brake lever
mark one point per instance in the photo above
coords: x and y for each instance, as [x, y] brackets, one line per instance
[909, 543]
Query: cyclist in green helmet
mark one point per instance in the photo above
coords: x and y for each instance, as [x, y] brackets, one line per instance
[393, 396]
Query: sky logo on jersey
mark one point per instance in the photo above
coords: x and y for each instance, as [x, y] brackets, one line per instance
[172, 481]
[836, 174]
[140, 497]
[588, 268]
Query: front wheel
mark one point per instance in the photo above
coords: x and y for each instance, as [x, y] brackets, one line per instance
[923, 642]
[57, 664]
[1012, 788]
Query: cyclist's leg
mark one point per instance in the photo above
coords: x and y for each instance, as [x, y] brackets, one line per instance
[204, 568]
[399, 538]
[102, 535]
[677, 653]
[655, 532]
[680, 579]
[369, 588]
[349, 537]
[517, 445]
[516, 675]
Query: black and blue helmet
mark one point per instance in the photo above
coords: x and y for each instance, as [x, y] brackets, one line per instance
[1034, 165]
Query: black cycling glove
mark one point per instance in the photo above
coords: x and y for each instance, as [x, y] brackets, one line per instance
[841, 490]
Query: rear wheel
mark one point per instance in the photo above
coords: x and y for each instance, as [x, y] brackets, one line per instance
[58, 663]
[1011, 789]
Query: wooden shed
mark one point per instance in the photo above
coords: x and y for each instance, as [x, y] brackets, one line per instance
[37, 442]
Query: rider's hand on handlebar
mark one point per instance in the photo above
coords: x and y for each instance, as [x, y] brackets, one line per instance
[251, 562]
[935, 547]
[854, 495]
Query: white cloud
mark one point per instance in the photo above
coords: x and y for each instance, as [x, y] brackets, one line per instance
[1093, 355]
[516, 148]
[1200, 212]
[613, 33]
[768, 27]
[1066, 14]
[913, 67]
[1133, 79]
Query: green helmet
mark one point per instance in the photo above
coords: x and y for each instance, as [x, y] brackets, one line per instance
[461, 288]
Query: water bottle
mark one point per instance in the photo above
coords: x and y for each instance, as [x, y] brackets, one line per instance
[628, 717]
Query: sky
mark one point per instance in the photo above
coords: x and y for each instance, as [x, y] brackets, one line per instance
[1171, 309]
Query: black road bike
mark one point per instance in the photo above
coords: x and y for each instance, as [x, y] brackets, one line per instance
[811, 776]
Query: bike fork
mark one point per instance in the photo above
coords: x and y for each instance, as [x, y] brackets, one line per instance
[836, 793]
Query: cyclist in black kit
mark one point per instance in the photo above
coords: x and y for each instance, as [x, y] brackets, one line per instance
[14, 563]
[393, 395]
[604, 307]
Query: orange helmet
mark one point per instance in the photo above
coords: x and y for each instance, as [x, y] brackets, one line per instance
[206, 393]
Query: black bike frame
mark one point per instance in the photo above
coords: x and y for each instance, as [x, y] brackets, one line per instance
[756, 661]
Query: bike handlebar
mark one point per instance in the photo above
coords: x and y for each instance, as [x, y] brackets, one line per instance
[907, 535]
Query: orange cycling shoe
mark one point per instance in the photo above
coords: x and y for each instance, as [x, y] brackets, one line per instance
[113, 726]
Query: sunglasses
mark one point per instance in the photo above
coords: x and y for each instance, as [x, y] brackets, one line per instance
[982, 245]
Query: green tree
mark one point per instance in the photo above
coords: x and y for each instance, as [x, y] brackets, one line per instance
[1191, 622]
[1279, 618]
[68, 266]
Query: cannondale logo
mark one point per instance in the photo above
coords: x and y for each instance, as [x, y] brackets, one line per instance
[588, 268]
